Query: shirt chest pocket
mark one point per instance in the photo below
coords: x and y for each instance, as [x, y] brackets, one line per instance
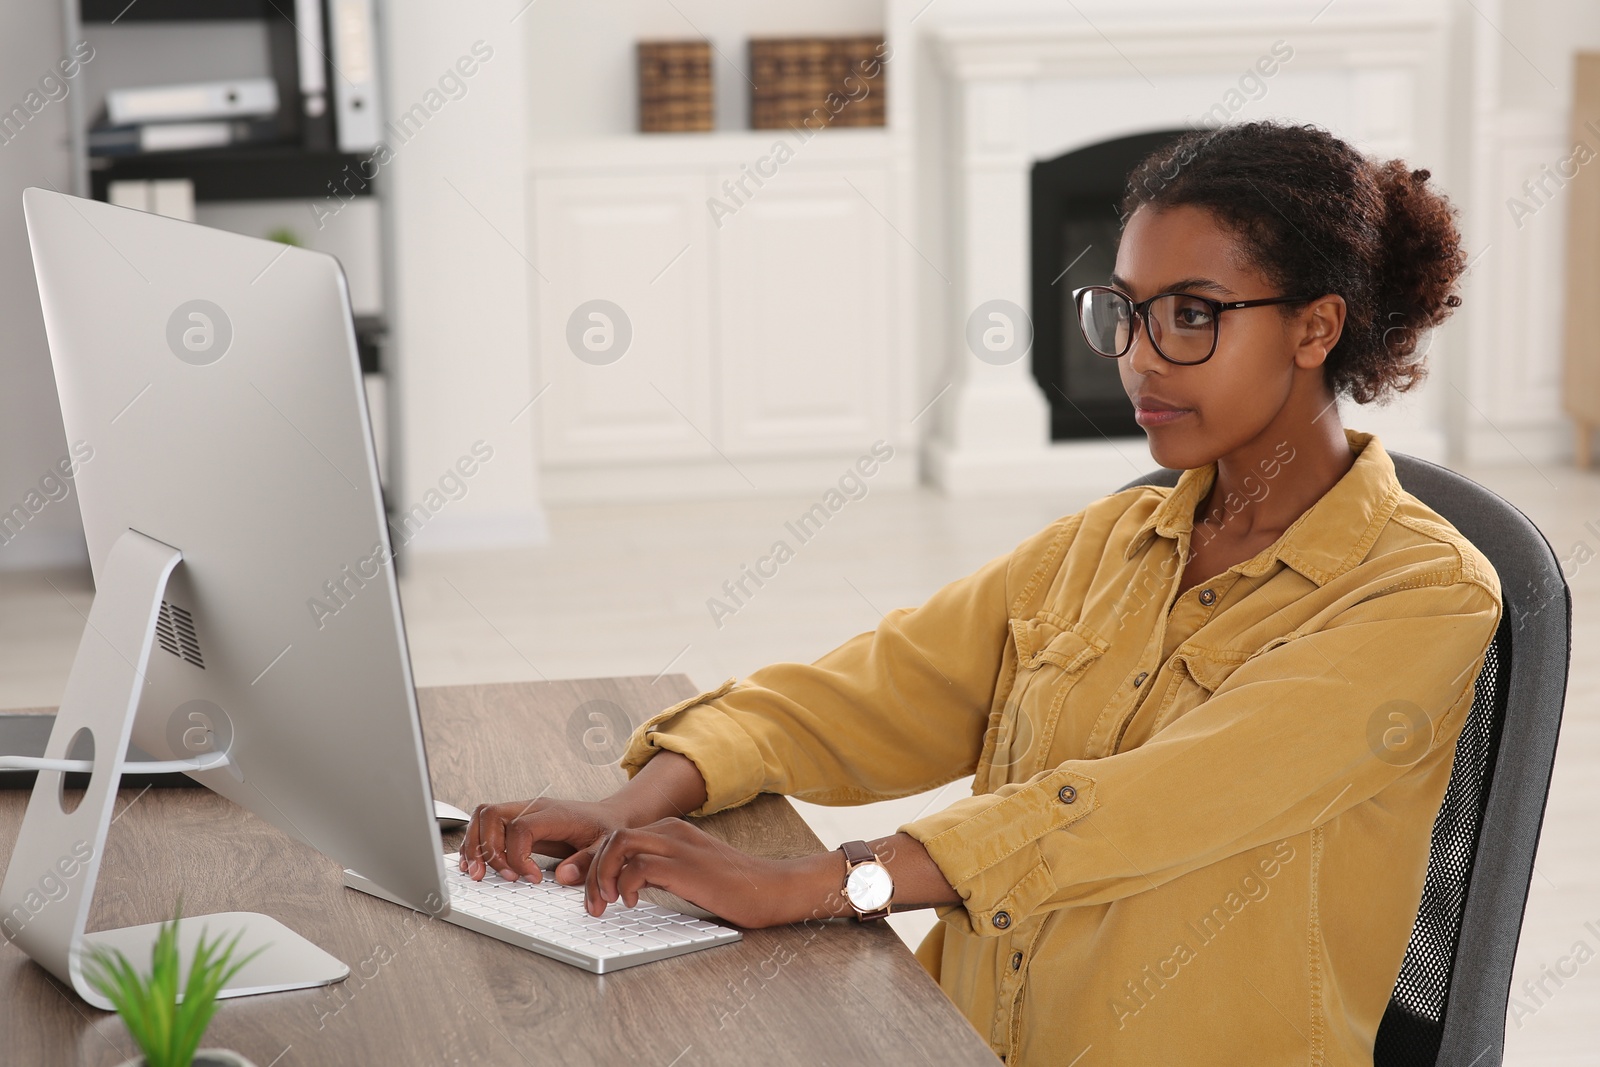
[1195, 675]
[1051, 660]
[1188, 679]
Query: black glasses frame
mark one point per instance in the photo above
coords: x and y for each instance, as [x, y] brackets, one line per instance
[1141, 312]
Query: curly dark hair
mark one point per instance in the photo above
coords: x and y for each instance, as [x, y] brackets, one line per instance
[1319, 217]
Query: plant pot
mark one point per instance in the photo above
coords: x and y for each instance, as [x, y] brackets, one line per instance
[206, 1057]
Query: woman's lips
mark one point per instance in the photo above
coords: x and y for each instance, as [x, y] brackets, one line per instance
[1159, 416]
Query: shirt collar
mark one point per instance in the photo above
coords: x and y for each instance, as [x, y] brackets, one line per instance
[1328, 539]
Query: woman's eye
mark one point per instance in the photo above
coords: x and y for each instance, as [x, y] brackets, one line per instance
[1194, 317]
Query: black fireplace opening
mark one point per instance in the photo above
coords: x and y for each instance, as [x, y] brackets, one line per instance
[1076, 227]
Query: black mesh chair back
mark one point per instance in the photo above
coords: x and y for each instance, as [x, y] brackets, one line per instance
[1448, 1007]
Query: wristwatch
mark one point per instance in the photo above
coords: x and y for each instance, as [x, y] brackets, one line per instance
[868, 886]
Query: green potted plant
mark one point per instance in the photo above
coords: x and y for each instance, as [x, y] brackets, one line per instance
[168, 1029]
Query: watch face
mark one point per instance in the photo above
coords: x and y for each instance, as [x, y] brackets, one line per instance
[869, 886]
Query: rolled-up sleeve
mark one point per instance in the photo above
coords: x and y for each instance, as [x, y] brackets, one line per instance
[892, 712]
[1285, 743]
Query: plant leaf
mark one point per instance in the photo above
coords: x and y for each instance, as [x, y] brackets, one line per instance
[209, 973]
[108, 970]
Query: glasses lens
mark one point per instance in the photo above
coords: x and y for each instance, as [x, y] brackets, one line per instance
[1106, 317]
[1184, 328]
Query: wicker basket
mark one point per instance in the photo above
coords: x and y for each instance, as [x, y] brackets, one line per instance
[675, 86]
[816, 82]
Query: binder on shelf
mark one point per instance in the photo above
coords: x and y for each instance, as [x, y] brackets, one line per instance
[311, 60]
[172, 197]
[178, 136]
[246, 97]
[353, 37]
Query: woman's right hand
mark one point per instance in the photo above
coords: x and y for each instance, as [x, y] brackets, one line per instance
[501, 837]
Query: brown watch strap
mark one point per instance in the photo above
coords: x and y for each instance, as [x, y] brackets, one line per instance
[857, 852]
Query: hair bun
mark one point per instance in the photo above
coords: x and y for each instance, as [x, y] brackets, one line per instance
[1422, 261]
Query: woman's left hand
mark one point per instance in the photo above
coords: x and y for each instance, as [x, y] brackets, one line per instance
[748, 891]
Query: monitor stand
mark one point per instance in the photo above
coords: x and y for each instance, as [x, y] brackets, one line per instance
[44, 902]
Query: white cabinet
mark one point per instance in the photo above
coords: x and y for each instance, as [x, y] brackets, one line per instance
[630, 241]
[763, 352]
[802, 320]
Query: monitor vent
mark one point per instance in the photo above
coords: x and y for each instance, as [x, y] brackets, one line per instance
[175, 632]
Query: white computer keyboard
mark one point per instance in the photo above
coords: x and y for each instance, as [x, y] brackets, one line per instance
[549, 918]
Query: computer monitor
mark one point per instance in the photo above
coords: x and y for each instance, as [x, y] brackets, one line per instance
[246, 617]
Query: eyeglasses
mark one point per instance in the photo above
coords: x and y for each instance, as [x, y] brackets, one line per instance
[1182, 327]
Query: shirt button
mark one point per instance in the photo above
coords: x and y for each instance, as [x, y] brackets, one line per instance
[1067, 794]
[1139, 678]
[1208, 597]
[1016, 961]
[1002, 919]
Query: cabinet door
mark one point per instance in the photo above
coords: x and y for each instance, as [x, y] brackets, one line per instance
[803, 314]
[639, 243]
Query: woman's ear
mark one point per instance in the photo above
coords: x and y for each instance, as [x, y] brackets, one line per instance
[1321, 323]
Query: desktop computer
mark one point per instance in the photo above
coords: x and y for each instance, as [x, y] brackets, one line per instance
[234, 486]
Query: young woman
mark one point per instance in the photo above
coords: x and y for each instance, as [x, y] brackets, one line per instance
[1210, 725]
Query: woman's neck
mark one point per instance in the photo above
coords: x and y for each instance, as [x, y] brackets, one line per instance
[1282, 472]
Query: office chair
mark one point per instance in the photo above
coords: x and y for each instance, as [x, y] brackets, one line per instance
[1448, 1008]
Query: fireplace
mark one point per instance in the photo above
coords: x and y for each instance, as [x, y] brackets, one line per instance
[1075, 228]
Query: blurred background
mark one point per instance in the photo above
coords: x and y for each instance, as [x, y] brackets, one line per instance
[708, 277]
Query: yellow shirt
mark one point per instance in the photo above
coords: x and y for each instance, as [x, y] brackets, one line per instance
[1199, 824]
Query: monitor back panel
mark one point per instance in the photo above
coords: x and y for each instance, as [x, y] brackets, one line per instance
[212, 400]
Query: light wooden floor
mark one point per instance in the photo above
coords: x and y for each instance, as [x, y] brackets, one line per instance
[623, 590]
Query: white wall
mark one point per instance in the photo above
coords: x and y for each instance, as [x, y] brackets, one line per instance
[455, 197]
[31, 437]
[1534, 41]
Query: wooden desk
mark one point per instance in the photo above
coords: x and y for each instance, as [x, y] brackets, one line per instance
[426, 992]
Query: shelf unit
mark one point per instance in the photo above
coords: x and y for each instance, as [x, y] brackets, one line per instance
[302, 162]
[257, 172]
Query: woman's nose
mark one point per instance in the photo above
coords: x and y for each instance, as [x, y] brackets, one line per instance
[1141, 355]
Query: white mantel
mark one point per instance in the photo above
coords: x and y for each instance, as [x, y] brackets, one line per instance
[1032, 89]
